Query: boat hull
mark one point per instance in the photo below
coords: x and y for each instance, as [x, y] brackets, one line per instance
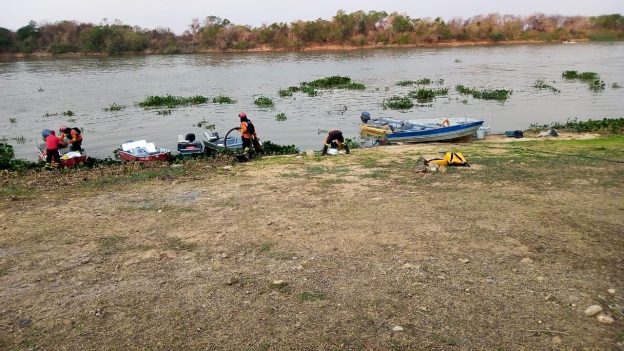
[126, 156]
[436, 134]
[424, 130]
[66, 163]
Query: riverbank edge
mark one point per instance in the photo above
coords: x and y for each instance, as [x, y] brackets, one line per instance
[314, 48]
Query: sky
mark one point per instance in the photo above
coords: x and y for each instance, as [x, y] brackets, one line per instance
[177, 15]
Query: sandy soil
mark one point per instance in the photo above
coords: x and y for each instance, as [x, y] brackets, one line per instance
[305, 253]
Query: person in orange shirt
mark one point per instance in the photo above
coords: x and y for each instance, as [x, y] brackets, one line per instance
[248, 134]
[73, 136]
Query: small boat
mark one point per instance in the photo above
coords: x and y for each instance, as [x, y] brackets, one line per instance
[420, 130]
[215, 144]
[187, 146]
[142, 151]
[69, 159]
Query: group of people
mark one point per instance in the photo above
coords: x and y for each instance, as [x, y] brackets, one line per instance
[68, 137]
[333, 140]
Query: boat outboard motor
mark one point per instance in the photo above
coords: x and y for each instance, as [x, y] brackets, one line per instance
[214, 137]
[190, 137]
[365, 117]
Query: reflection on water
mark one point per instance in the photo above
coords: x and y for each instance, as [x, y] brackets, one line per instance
[87, 85]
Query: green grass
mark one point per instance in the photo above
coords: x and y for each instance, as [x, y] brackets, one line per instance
[178, 244]
[109, 245]
[425, 95]
[171, 101]
[266, 247]
[310, 296]
[603, 126]
[263, 101]
[223, 100]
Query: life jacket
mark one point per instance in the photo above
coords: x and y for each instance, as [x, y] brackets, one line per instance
[450, 159]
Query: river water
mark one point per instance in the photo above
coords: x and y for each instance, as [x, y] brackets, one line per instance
[31, 89]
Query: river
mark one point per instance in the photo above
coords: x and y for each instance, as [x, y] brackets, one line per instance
[32, 89]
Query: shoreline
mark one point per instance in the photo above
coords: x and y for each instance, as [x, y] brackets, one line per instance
[314, 48]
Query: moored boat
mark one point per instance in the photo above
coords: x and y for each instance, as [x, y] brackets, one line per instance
[142, 151]
[187, 146]
[215, 144]
[420, 130]
[68, 158]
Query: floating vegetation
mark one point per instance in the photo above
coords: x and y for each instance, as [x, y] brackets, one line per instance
[263, 101]
[423, 81]
[597, 85]
[270, 148]
[47, 114]
[355, 86]
[68, 113]
[280, 117]
[540, 84]
[584, 76]
[486, 94]
[604, 126]
[406, 83]
[205, 124]
[289, 91]
[12, 119]
[114, 107]
[223, 100]
[71, 120]
[310, 91]
[171, 101]
[616, 85]
[425, 95]
[164, 112]
[398, 103]
[457, 61]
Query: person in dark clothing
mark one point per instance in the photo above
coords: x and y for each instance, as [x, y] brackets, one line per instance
[335, 140]
[73, 136]
[248, 134]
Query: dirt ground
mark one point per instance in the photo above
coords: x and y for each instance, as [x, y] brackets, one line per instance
[354, 252]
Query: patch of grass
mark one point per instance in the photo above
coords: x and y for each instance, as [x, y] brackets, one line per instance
[280, 117]
[3, 271]
[290, 174]
[223, 100]
[541, 84]
[263, 101]
[376, 174]
[317, 170]
[310, 296]
[276, 149]
[485, 94]
[266, 247]
[604, 126]
[109, 245]
[114, 107]
[171, 101]
[178, 244]
[398, 103]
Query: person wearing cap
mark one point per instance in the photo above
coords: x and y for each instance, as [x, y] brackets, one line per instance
[336, 140]
[248, 134]
[73, 136]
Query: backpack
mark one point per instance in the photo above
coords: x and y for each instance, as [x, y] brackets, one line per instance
[450, 159]
[250, 128]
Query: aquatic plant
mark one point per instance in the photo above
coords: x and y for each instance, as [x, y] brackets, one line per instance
[616, 85]
[114, 107]
[285, 92]
[205, 124]
[164, 112]
[280, 117]
[540, 84]
[48, 114]
[263, 101]
[405, 83]
[270, 148]
[423, 81]
[486, 94]
[221, 99]
[457, 61]
[584, 76]
[352, 144]
[398, 103]
[333, 82]
[355, 86]
[424, 95]
[603, 126]
[12, 119]
[597, 85]
[171, 101]
[309, 90]
[68, 113]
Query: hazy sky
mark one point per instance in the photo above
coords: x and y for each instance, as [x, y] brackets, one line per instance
[177, 15]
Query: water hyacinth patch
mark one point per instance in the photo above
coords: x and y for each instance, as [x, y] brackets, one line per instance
[171, 101]
[205, 124]
[280, 117]
[263, 101]
[424, 95]
[114, 107]
[398, 103]
[541, 84]
[486, 94]
[223, 100]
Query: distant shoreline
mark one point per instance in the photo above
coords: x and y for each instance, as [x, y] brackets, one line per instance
[313, 48]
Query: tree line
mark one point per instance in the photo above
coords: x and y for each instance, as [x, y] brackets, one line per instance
[357, 29]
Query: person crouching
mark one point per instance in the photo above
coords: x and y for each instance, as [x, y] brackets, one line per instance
[335, 139]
